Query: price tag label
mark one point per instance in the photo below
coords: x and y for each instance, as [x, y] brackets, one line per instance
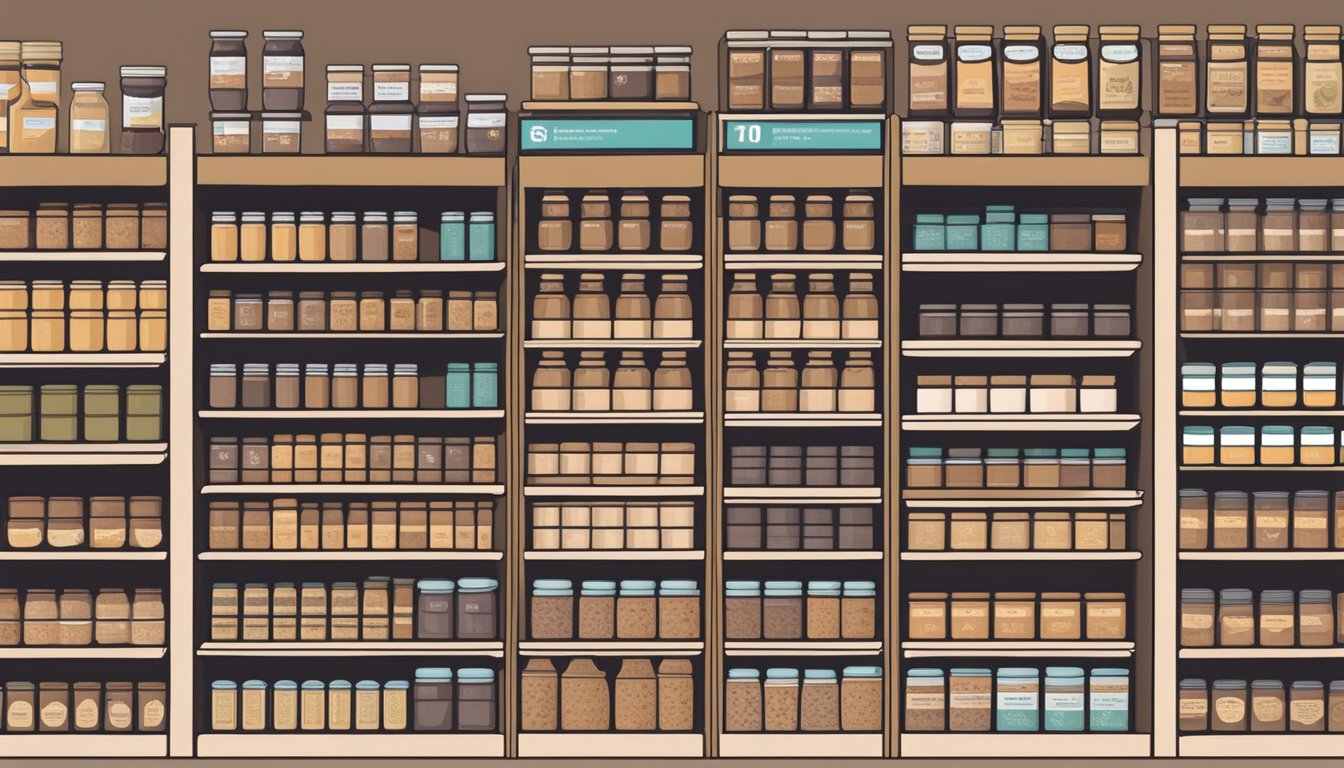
[588, 135]
[803, 135]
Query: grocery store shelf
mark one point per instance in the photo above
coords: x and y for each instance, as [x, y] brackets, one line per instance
[93, 745]
[350, 555]
[623, 555]
[1278, 413]
[794, 745]
[972, 348]
[1020, 745]
[934, 498]
[494, 649]
[802, 344]
[367, 336]
[418, 489]
[1275, 745]
[802, 648]
[597, 745]
[84, 360]
[835, 420]
[614, 417]
[612, 344]
[1256, 468]
[635, 260]
[102, 257]
[856, 261]
[351, 267]
[813, 494]
[1277, 555]
[1033, 555]
[83, 171]
[1059, 263]
[84, 652]
[1247, 171]
[81, 555]
[1261, 653]
[775, 170]
[350, 170]
[82, 454]
[337, 413]
[346, 745]
[790, 555]
[1026, 171]
[612, 491]
[1020, 422]
[609, 648]
[1091, 649]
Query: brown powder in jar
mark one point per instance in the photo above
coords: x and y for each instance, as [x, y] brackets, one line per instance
[1105, 615]
[781, 704]
[679, 617]
[969, 613]
[540, 696]
[823, 611]
[636, 696]
[552, 616]
[1060, 619]
[858, 612]
[585, 698]
[860, 703]
[927, 616]
[743, 710]
[820, 705]
[969, 696]
[676, 695]
[123, 226]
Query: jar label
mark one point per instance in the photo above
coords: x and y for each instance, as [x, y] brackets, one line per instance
[1196, 621]
[1310, 522]
[228, 72]
[20, 715]
[1025, 700]
[54, 714]
[5, 88]
[1070, 52]
[1117, 701]
[1237, 623]
[1054, 612]
[1307, 712]
[42, 86]
[1230, 709]
[345, 122]
[963, 612]
[436, 123]
[1312, 620]
[1276, 623]
[431, 88]
[1194, 707]
[390, 122]
[391, 91]
[1021, 52]
[345, 91]
[1063, 702]
[119, 714]
[924, 701]
[282, 71]
[280, 126]
[1267, 708]
[39, 123]
[1011, 612]
[138, 112]
[926, 613]
[970, 700]
[1191, 521]
[1104, 612]
[974, 52]
[927, 52]
[486, 120]
[86, 714]
[1120, 52]
[91, 126]
[232, 128]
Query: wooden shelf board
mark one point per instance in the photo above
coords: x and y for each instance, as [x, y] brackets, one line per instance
[494, 649]
[971, 348]
[795, 745]
[1026, 555]
[802, 344]
[344, 555]
[671, 170]
[338, 413]
[933, 498]
[661, 262]
[91, 745]
[1275, 745]
[1235, 257]
[1261, 653]
[1025, 170]
[1097, 649]
[994, 745]
[1276, 555]
[609, 648]
[614, 417]
[612, 344]
[347, 745]
[609, 106]
[40, 257]
[419, 489]
[1243, 171]
[84, 171]
[351, 267]
[597, 745]
[354, 336]
[1286, 413]
[833, 261]
[84, 652]
[84, 360]
[83, 454]
[350, 170]
[622, 555]
[1266, 336]
[778, 170]
[1288, 468]
[1019, 262]
[1030, 422]
[610, 491]
[767, 555]
[834, 420]
[802, 648]
[81, 555]
[815, 494]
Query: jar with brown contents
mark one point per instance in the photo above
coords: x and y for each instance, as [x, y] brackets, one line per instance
[743, 708]
[781, 699]
[1236, 618]
[925, 700]
[1277, 619]
[970, 700]
[1197, 628]
[742, 610]
[782, 610]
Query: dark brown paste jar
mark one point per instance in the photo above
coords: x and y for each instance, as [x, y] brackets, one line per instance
[486, 124]
[142, 92]
[282, 61]
[228, 70]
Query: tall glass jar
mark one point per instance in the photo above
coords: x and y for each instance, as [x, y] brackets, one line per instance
[89, 120]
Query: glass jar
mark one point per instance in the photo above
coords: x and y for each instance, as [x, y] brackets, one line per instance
[1236, 618]
[89, 120]
[142, 94]
[345, 108]
[282, 63]
[228, 70]
[437, 118]
[1277, 618]
[1193, 706]
[1197, 611]
[486, 121]
[391, 113]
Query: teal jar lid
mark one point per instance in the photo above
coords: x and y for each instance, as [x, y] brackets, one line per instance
[1042, 453]
[396, 685]
[1000, 217]
[963, 218]
[1033, 218]
[998, 207]
[1313, 430]
[1016, 672]
[1198, 369]
[823, 588]
[1110, 672]
[286, 685]
[477, 584]
[552, 587]
[923, 672]
[926, 453]
[737, 584]
[820, 675]
[452, 217]
[1109, 453]
[459, 367]
[783, 589]
[1238, 369]
[252, 685]
[860, 589]
[1063, 671]
[475, 675]
[435, 585]
[1003, 453]
[678, 587]
[367, 685]
[485, 367]
[1271, 429]
[1075, 453]
[482, 216]
[433, 673]
[929, 218]
[1201, 430]
[1319, 369]
[637, 587]
[742, 673]
[314, 685]
[339, 685]
[970, 672]
[598, 588]
[862, 672]
[224, 685]
[781, 673]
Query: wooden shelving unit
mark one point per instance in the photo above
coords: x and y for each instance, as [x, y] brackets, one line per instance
[1029, 745]
[981, 261]
[350, 745]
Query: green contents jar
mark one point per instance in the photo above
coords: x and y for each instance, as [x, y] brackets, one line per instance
[999, 232]
[1063, 698]
[1017, 702]
[452, 236]
[481, 236]
[1108, 700]
[930, 232]
[1033, 232]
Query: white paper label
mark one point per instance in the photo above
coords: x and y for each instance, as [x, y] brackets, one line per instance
[345, 122]
[1070, 52]
[1324, 144]
[280, 126]
[928, 52]
[345, 92]
[1021, 52]
[974, 52]
[231, 128]
[1111, 702]
[390, 122]
[1018, 701]
[138, 112]
[42, 86]
[92, 126]
[5, 88]
[391, 91]
[39, 123]
[449, 121]
[1066, 702]
[281, 64]
[488, 120]
[437, 89]
[1120, 52]
[228, 65]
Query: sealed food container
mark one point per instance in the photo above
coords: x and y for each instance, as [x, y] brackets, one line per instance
[1017, 700]
[552, 616]
[433, 695]
[858, 610]
[861, 699]
[782, 610]
[678, 610]
[1064, 693]
[597, 610]
[476, 608]
[744, 710]
[969, 699]
[636, 610]
[925, 700]
[1197, 618]
[820, 701]
[781, 699]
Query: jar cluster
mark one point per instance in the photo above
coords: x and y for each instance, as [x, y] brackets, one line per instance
[1266, 445]
[344, 236]
[426, 704]
[1017, 616]
[799, 528]
[425, 311]
[625, 695]
[611, 463]
[1035, 393]
[83, 316]
[617, 525]
[88, 413]
[776, 308]
[350, 386]
[1016, 531]
[634, 609]
[379, 609]
[795, 465]
[619, 73]
[86, 227]
[1273, 618]
[815, 700]
[1264, 385]
[1273, 297]
[1263, 706]
[820, 71]
[75, 617]
[1259, 136]
[73, 522]
[1013, 700]
[589, 384]
[1302, 519]
[1029, 321]
[819, 386]
[820, 228]
[786, 610]
[631, 229]
[290, 525]
[1016, 468]
[562, 309]
[1021, 137]
[85, 707]
[335, 457]
[1249, 225]
[1000, 228]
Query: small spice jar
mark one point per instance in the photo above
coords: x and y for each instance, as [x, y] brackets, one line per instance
[782, 610]
[1277, 618]
[1197, 612]
[1316, 618]
[1192, 708]
[742, 610]
[1267, 711]
[486, 121]
[1236, 618]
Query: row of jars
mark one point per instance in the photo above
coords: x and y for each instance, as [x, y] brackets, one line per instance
[783, 230]
[1015, 531]
[611, 463]
[1246, 225]
[88, 413]
[288, 525]
[1017, 616]
[1026, 321]
[352, 386]
[427, 311]
[85, 707]
[592, 386]
[618, 73]
[788, 610]
[558, 313]
[822, 312]
[613, 525]
[312, 236]
[1267, 385]
[816, 700]
[1037, 393]
[813, 465]
[1275, 297]
[45, 617]
[631, 230]
[122, 317]
[380, 608]
[70, 522]
[335, 457]
[819, 70]
[1269, 445]
[1275, 618]
[1230, 706]
[1015, 468]
[1259, 520]
[818, 387]
[86, 227]
[792, 528]
[1012, 700]
[636, 609]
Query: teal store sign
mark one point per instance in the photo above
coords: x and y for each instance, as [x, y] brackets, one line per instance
[584, 135]
[803, 135]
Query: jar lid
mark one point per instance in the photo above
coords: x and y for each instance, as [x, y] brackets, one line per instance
[438, 67]
[781, 673]
[784, 588]
[862, 672]
[1064, 672]
[283, 34]
[375, 216]
[742, 673]
[637, 587]
[1315, 596]
[1019, 672]
[218, 685]
[678, 587]
[477, 584]
[227, 34]
[553, 584]
[598, 588]
[475, 675]
[396, 685]
[314, 685]
[1235, 596]
[819, 675]
[482, 216]
[433, 673]
[1109, 672]
[435, 585]
[391, 67]
[823, 588]
[453, 216]
[223, 216]
[1267, 685]
[281, 115]
[1276, 596]
[89, 87]
[922, 672]
[1193, 683]
[345, 68]
[339, 685]
[367, 685]
[253, 685]
[1307, 685]
[1197, 596]
[286, 685]
[144, 71]
[860, 588]
[969, 672]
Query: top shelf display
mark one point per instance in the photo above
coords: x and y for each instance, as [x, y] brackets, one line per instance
[83, 171]
[819, 71]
